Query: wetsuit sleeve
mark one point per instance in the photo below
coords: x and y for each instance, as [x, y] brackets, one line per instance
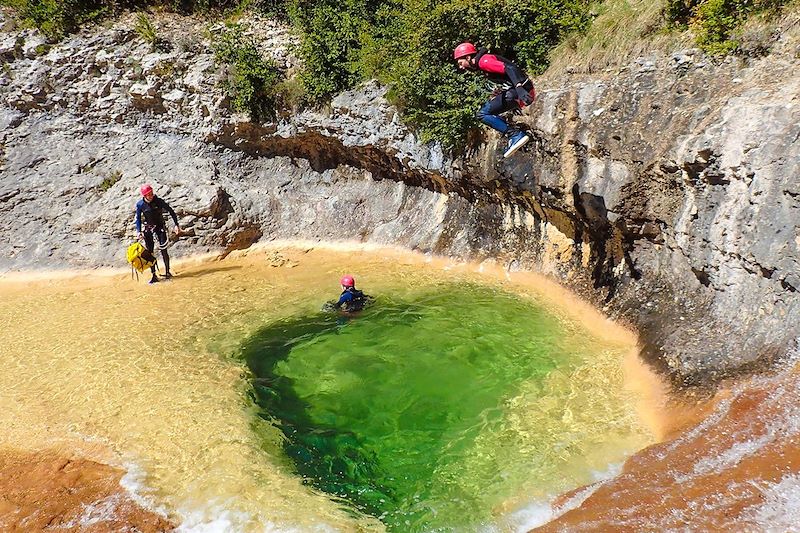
[171, 211]
[489, 63]
[516, 75]
[344, 298]
[137, 219]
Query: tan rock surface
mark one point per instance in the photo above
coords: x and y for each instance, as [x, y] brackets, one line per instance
[42, 491]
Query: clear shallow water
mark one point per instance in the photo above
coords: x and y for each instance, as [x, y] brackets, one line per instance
[152, 378]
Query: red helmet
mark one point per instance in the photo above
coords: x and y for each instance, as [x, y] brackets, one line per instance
[146, 189]
[348, 281]
[463, 50]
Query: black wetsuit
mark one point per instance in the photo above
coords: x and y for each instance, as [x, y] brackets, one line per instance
[152, 215]
[351, 300]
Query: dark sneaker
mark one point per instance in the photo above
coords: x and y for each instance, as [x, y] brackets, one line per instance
[168, 275]
[516, 142]
[154, 279]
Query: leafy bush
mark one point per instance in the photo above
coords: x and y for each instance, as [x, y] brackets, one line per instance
[332, 34]
[252, 82]
[55, 18]
[717, 22]
[408, 44]
[145, 29]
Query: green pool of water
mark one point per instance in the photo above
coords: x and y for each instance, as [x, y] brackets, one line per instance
[415, 411]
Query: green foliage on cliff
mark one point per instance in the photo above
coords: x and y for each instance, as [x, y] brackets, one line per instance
[408, 45]
[58, 17]
[252, 82]
[333, 36]
[718, 22]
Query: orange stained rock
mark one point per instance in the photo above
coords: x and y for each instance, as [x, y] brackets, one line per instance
[713, 477]
[48, 492]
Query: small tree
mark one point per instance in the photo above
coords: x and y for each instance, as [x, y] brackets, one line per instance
[251, 81]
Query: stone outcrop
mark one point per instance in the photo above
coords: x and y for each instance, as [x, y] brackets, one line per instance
[47, 491]
[667, 191]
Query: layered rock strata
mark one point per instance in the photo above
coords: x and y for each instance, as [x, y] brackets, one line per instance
[667, 191]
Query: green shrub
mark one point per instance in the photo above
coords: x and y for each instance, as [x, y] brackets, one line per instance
[332, 37]
[718, 22]
[110, 180]
[55, 18]
[145, 29]
[252, 82]
[408, 44]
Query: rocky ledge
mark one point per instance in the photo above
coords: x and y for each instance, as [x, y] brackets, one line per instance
[666, 192]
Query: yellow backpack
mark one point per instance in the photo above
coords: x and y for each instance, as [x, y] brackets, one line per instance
[140, 257]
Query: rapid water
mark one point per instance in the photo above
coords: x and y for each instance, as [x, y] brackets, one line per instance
[737, 469]
[454, 402]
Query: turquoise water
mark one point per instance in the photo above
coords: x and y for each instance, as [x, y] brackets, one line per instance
[406, 412]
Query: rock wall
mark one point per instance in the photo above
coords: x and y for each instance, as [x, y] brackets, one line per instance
[685, 175]
[667, 192]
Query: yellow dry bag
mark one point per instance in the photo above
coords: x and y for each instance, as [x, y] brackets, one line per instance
[140, 257]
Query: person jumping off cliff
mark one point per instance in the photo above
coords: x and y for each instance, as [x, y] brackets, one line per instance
[514, 90]
[150, 209]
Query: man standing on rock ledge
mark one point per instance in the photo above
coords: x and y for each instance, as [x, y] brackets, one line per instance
[151, 208]
[514, 90]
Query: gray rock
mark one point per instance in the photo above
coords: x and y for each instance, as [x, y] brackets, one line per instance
[33, 45]
[673, 188]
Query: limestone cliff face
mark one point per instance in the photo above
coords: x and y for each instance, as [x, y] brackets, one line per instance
[666, 192]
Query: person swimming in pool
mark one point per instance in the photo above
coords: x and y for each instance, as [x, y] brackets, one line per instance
[351, 300]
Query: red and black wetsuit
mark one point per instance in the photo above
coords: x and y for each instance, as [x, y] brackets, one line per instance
[509, 77]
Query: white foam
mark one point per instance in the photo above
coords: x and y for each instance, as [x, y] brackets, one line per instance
[192, 516]
[783, 424]
[537, 513]
[100, 511]
[729, 458]
[780, 511]
[220, 518]
[534, 515]
[215, 519]
[133, 481]
[225, 516]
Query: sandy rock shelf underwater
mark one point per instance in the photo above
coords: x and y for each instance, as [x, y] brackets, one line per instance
[151, 382]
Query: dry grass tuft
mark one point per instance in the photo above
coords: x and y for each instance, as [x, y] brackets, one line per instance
[621, 31]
